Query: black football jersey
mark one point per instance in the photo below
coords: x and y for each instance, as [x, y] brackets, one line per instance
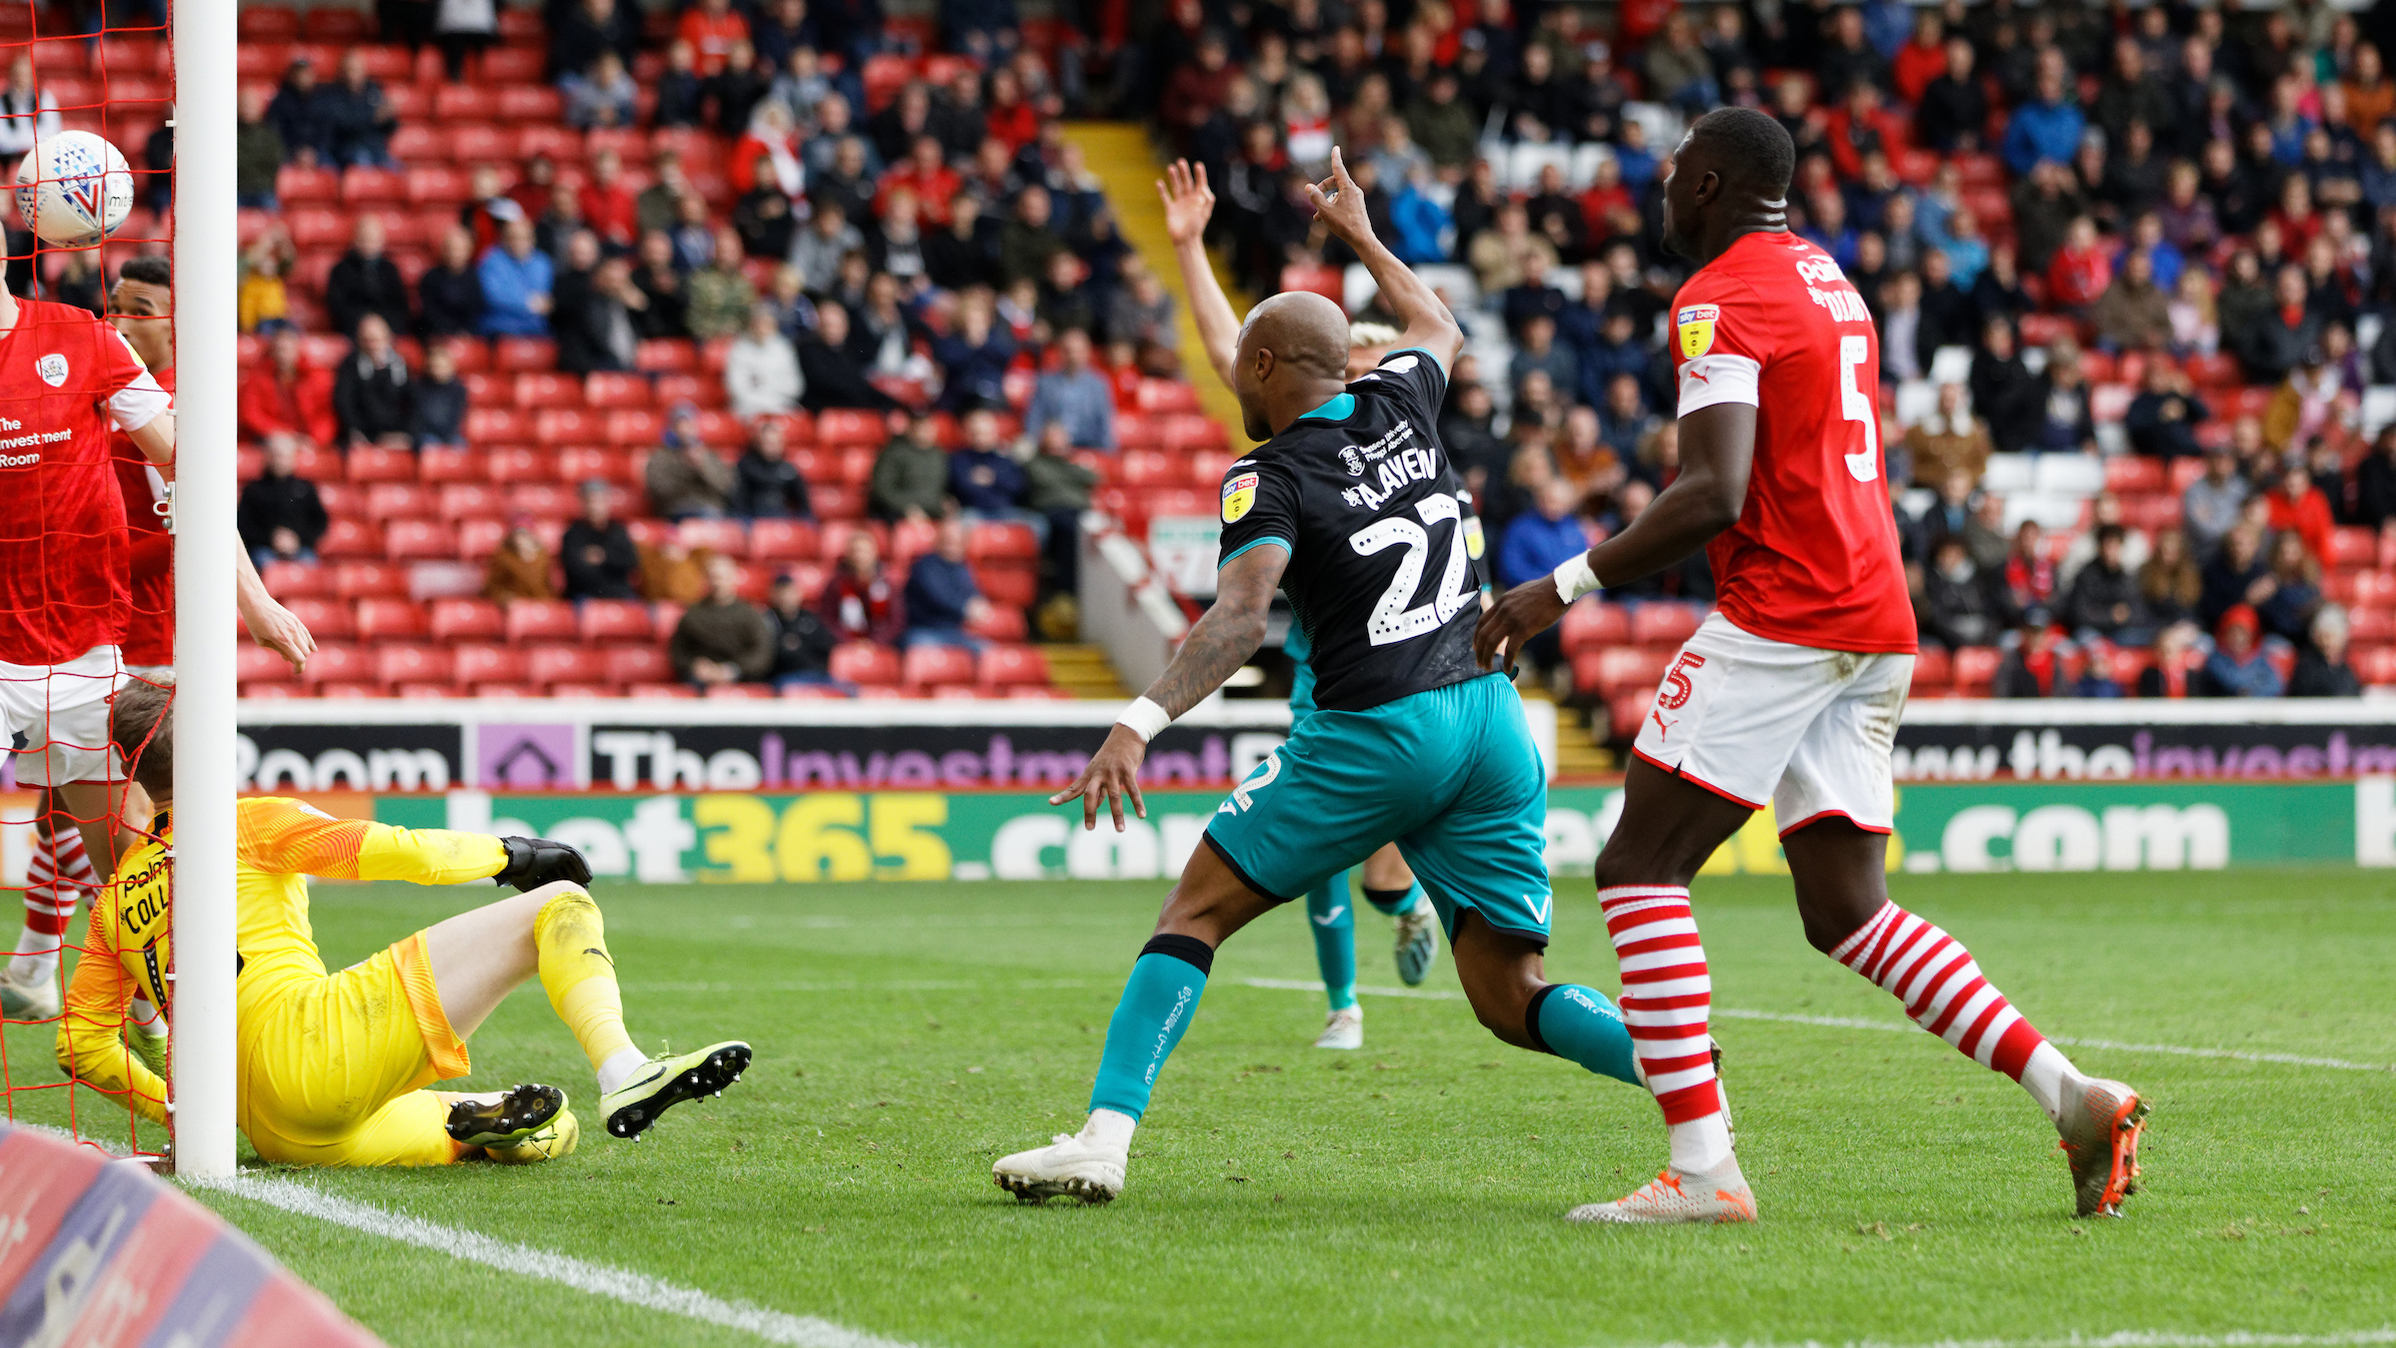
[1386, 564]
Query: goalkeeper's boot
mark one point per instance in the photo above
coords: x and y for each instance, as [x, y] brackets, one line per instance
[1071, 1165]
[499, 1118]
[150, 1046]
[35, 998]
[558, 1138]
[662, 1083]
[1418, 943]
[1679, 1196]
[1345, 1029]
[2101, 1124]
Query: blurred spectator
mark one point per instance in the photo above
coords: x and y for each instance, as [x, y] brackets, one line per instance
[2047, 128]
[720, 295]
[600, 94]
[450, 293]
[2209, 508]
[2195, 321]
[2237, 667]
[986, 481]
[358, 116]
[280, 516]
[1959, 604]
[28, 110]
[300, 117]
[2277, 339]
[2297, 506]
[516, 280]
[1027, 242]
[713, 28]
[258, 151]
[370, 393]
[2169, 582]
[2321, 668]
[1543, 538]
[664, 315]
[2133, 314]
[1142, 312]
[596, 311]
[582, 31]
[761, 371]
[722, 638]
[464, 28]
[803, 643]
[2105, 600]
[657, 206]
[2030, 574]
[910, 477]
[686, 479]
[1953, 108]
[673, 572]
[1058, 490]
[964, 252]
[2375, 482]
[609, 207]
[2307, 402]
[829, 375]
[2080, 270]
[1074, 395]
[2005, 394]
[2163, 418]
[520, 568]
[2179, 659]
[262, 305]
[597, 553]
[768, 484]
[1497, 254]
[681, 94]
[858, 601]
[287, 401]
[437, 401]
[1537, 350]
[2239, 575]
[942, 599]
[365, 282]
[1949, 440]
[818, 249]
[2065, 420]
[2295, 590]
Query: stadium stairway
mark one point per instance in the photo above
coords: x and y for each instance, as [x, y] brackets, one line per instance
[1579, 752]
[1084, 672]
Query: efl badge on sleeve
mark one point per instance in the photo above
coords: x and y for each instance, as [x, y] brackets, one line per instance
[1238, 494]
[1696, 327]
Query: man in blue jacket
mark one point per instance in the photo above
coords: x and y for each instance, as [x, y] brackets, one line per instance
[941, 597]
[2046, 128]
[516, 279]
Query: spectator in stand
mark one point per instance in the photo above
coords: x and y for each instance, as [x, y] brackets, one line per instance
[1029, 240]
[2179, 660]
[366, 282]
[1949, 440]
[986, 481]
[601, 94]
[1960, 603]
[521, 568]
[974, 358]
[713, 28]
[2238, 666]
[1075, 395]
[722, 639]
[672, 571]
[2277, 340]
[2133, 314]
[761, 371]
[964, 254]
[582, 31]
[2375, 482]
[2004, 392]
[941, 599]
[1952, 110]
[359, 116]
[598, 314]
[2163, 418]
[286, 401]
[2104, 600]
[2046, 129]
[686, 479]
[1537, 350]
[2239, 574]
[818, 249]
[2321, 668]
[829, 374]
[803, 642]
[258, 150]
[597, 553]
[450, 293]
[681, 94]
[516, 279]
[2298, 507]
[437, 402]
[1142, 312]
[2296, 589]
[2065, 423]
[609, 207]
[464, 28]
[299, 116]
[1058, 490]
[2308, 403]
[2030, 575]
[370, 392]
[2169, 582]
[720, 295]
[263, 304]
[280, 516]
[859, 602]
[910, 477]
[2081, 269]
[665, 313]
[29, 112]
[2210, 508]
[767, 484]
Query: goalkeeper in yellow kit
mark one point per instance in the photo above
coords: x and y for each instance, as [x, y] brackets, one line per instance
[332, 1066]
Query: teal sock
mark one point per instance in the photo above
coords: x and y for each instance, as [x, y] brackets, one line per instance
[1333, 917]
[1395, 901]
[1581, 1025]
[1158, 1001]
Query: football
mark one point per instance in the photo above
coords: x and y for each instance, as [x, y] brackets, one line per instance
[74, 189]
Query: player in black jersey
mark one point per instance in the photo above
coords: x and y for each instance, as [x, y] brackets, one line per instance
[1352, 507]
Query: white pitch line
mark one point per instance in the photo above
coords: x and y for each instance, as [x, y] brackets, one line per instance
[1891, 1027]
[602, 1280]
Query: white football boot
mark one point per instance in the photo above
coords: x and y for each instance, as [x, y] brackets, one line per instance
[1678, 1196]
[35, 998]
[1345, 1029]
[1082, 1165]
[1418, 942]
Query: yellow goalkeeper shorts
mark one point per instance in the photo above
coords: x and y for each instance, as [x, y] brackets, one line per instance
[333, 1065]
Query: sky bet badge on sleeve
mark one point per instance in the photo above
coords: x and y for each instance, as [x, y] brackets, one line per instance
[1238, 494]
[1696, 325]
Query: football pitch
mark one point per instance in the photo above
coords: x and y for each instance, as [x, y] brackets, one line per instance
[1410, 1193]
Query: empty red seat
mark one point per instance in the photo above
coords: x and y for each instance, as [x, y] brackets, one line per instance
[369, 579]
[1008, 584]
[256, 664]
[2353, 547]
[465, 620]
[529, 103]
[1001, 542]
[1011, 666]
[411, 664]
[395, 500]
[1609, 671]
[524, 353]
[728, 537]
[325, 619]
[605, 390]
[863, 662]
[848, 426]
[2133, 473]
[547, 665]
[783, 540]
[410, 538]
[935, 666]
[373, 463]
[1592, 624]
[289, 580]
[475, 664]
[666, 355]
[542, 620]
[999, 622]
[614, 620]
[1933, 670]
[632, 426]
[1976, 668]
[910, 539]
[578, 464]
[471, 500]
[389, 619]
[637, 664]
[1664, 624]
[349, 538]
[513, 464]
[338, 662]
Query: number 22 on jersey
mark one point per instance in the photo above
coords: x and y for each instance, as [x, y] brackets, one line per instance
[1392, 620]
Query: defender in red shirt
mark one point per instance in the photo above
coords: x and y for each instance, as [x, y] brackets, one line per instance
[1791, 692]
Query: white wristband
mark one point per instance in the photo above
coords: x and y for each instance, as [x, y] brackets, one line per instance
[1145, 718]
[1574, 578]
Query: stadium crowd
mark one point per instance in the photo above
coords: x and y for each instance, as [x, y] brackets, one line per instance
[2128, 266]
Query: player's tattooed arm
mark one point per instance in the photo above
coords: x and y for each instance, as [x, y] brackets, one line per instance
[1218, 644]
[1717, 452]
[1426, 320]
[1189, 204]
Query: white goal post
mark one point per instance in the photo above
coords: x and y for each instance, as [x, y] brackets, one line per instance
[205, 244]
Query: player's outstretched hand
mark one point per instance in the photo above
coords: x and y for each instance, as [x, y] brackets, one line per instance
[534, 862]
[1112, 776]
[1519, 615]
[1189, 203]
[1339, 204]
[277, 629]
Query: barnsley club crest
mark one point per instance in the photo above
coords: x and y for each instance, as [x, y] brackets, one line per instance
[52, 368]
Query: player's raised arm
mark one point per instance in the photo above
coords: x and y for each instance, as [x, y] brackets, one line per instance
[1219, 642]
[1189, 204]
[1426, 321]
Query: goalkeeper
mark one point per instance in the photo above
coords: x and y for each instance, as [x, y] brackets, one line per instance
[332, 1066]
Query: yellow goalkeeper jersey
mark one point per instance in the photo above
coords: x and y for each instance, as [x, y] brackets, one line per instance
[279, 843]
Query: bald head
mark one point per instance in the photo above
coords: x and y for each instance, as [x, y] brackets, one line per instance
[1292, 355]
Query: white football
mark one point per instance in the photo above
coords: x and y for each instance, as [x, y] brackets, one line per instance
[74, 189]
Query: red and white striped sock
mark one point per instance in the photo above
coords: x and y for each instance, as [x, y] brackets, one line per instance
[1666, 997]
[1944, 991]
[56, 878]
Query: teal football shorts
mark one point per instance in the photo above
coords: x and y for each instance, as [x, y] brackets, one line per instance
[1450, 774]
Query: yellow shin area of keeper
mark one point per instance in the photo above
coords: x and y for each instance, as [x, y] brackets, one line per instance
[579, 975]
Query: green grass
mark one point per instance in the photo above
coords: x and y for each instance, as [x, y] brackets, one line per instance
[908, 1034]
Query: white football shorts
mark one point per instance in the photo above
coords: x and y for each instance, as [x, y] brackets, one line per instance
[1754, 720]
[57, 718]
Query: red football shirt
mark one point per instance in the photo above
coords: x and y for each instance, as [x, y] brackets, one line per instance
[1813, 560]
[150, 628]
[65, 376]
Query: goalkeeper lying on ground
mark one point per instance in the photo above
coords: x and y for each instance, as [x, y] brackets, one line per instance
[332, 1066]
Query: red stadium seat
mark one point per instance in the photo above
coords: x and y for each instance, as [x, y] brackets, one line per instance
[2126, 473]
[606, 390]
[478, 142]
[475, 664]
[936, 666]
[1664, 624]
[578, 464]
[389, 619]
[999, 622]
[614, 620]
[1976, 669]
[411, 538]
[511, 464]
[471, 500]
[479, 537]
[1591, 624]
[1007, 585]
[544, 389]
[671, 355]
[1145, 468]
[2353, 547]
[637, 664]
[524, 353]
[466, 102]
[465, 620]
[1011, 666]
[530, 103]
[729, 537]
[337, 662]
[411, 664]
[863, 662]
[632, 426]
[349, 538]
[564, 664]
[1166, 395]
[395, 500]
[290, 580]
[542, 620]
[370, 186]
[257, 665]
[848, 426]
[369, 579]
[1609, 671]
[1625, 710]
[783, 540]
[910, 539]
[1933, 670]
[2372, 626]
[568, 425]
[1001, 542]
[2375, 666]
[325, 619]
